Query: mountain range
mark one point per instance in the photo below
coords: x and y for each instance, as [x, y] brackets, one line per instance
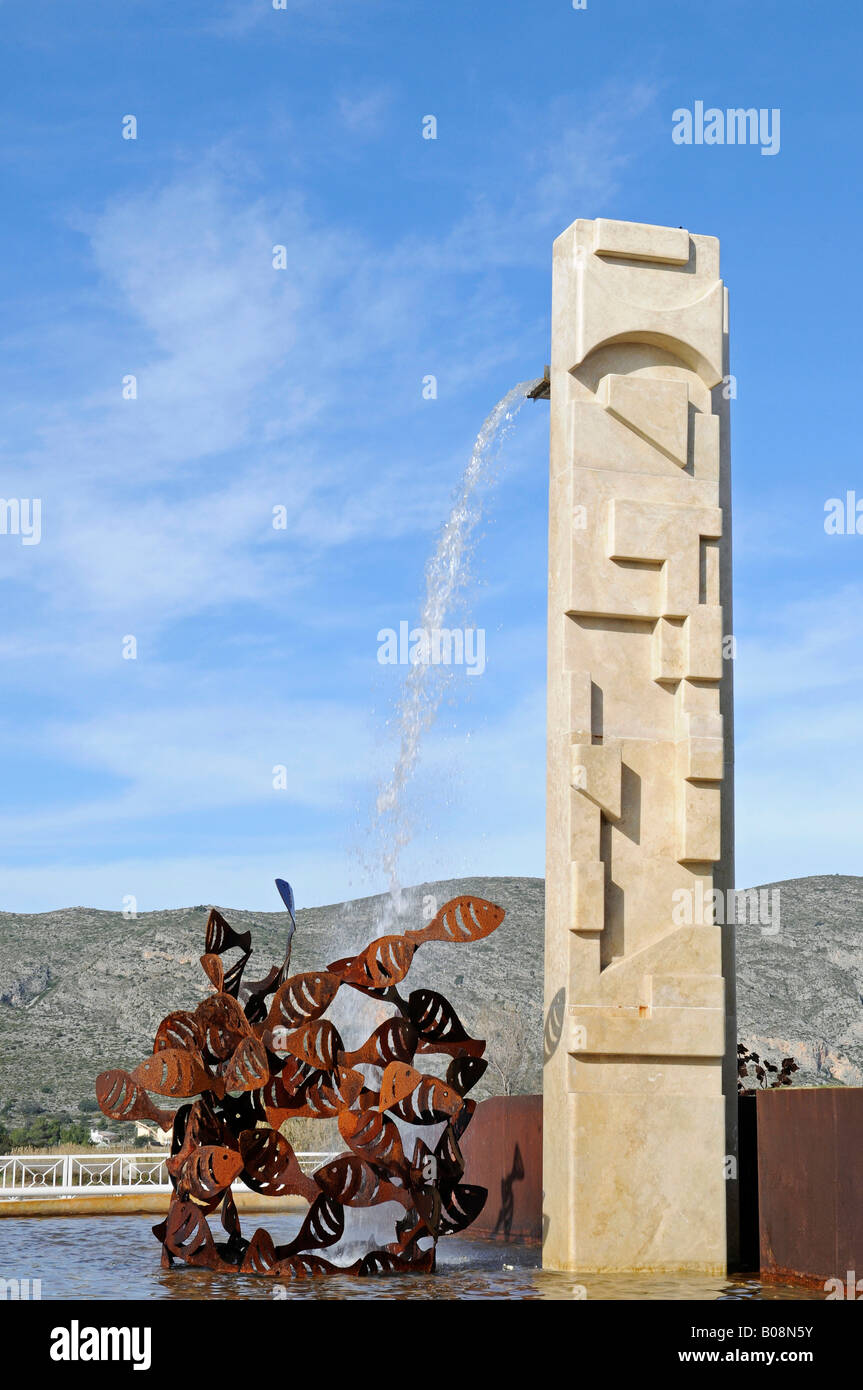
[84, 990]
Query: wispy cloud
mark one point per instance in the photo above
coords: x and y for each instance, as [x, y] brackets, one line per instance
[364, 113]
[259, 387]
[240, 17]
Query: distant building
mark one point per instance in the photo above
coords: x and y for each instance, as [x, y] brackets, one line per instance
[153, 1133]
[103, 1137]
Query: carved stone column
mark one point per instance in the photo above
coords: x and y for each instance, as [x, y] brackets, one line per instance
[639, 798]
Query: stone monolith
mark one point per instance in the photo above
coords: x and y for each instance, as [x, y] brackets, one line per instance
[639, 798]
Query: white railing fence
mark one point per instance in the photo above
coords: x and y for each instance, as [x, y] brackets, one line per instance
[73, 1175]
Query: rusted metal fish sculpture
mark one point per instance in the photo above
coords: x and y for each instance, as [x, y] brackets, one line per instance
[254, 1055]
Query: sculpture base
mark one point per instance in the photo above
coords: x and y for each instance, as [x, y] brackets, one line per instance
[636, 1203]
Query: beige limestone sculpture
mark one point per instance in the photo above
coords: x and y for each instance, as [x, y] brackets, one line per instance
[639, 800]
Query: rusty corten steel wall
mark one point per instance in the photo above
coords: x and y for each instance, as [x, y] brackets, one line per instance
[749, 1258]
[810, 1183]
[502, 1150]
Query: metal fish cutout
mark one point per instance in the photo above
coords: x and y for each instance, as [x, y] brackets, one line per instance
[254, 994]
[352, 1182]
[180, 1030]
[397, 1082]
[317, 1043]
[394, 1041]
[221, 935]
[206, 1173]
[260, 1256]
[120, 1097]
[385, 1262]
[306, 1267]
[426, 1102]
[186, 1236]
[214, 970]
[383, 963]
[324, 1226]
[439, 1026]
[464, 1072]
[460, 920]
[224, 1024]
[248, 1068]
[174, 1073]
[303, 998]
[322, 1097]
[460, 1205]
[450, 1163]
[269, 1165]
[373, 1137]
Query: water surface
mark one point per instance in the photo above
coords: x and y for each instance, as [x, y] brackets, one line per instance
[117, 1257]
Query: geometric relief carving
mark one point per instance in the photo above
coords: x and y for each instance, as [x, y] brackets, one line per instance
[596, 771]
[639, 241]
[700, 765]
[690, 1032]
[635, 733]
[670, 650]
[670, 535]
[691, 648]
[698, 831]
[605, 314]
[588, 896]
[706, 448]
[703, 632]
[648, 555]
[657, 410]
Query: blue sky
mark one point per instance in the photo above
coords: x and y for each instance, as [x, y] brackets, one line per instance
[303, 388]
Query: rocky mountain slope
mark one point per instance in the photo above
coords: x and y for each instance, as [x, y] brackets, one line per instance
[800, 990]
[82, 990]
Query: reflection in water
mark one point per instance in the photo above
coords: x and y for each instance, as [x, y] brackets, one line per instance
[116, 1257]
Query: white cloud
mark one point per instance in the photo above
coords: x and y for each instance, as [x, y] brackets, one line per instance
[194, 760]
[241, 17]
[512, 218]
[175, 758]
[808, 645]
[257, 387]
[799, 753]
[363, 113]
